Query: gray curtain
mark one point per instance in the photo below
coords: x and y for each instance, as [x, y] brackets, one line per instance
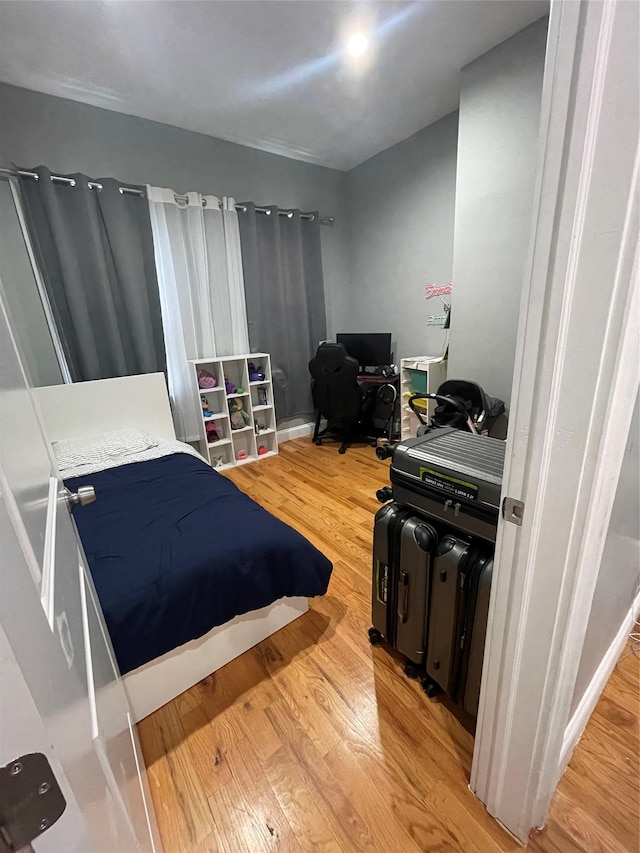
[284, 288]
[95, 251]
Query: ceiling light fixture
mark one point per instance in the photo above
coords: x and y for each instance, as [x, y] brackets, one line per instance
[358, 45]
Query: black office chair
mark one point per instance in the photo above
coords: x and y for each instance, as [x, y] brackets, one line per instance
[337, 396]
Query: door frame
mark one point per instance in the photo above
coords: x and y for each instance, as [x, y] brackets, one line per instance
[81, 711]
[563, 457]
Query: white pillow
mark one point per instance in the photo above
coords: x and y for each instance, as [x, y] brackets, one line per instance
[91, 449]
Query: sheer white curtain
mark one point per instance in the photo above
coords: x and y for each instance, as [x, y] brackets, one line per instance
[199, 264]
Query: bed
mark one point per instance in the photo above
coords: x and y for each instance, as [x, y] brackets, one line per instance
[190, 572]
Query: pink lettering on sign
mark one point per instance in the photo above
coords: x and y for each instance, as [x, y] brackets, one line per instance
[435, 290]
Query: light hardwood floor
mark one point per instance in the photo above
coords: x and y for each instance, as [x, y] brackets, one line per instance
[314, 740]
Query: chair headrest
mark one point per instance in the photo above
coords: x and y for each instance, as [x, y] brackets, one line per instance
[331, 357]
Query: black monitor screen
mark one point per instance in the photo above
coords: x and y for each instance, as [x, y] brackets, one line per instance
[372, 349]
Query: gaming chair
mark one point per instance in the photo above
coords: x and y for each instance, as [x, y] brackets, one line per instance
[337, 396]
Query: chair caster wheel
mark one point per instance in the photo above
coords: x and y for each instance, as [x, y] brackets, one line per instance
[411, 670]
[342, 450]
[429, 687]
[318, 442]
[375, 637]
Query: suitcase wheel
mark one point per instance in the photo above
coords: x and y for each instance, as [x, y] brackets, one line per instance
[429, 687]
[375, 637]
[411, 670]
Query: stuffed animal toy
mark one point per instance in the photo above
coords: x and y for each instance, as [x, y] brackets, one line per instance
[256, 374]
[206, 411]
[217, 461]
[239, 418]
[229, 386]
[212, 432]
[206, 379]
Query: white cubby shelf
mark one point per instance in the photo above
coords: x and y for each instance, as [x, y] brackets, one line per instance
[422, 374]
[256, 398]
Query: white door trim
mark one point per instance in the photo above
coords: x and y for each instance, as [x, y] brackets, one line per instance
[566, 442]
[560, 56]
[587, 704]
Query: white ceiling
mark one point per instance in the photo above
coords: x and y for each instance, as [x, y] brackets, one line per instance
[268, 74]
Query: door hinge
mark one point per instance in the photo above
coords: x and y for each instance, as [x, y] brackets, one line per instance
[30, 801]
[513, 510]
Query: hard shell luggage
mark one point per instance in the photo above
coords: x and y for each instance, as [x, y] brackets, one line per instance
[458, 618]
[452, 476]
[403, 545]
[470, 698]
[452, 480]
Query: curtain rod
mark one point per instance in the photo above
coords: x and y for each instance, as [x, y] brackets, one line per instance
[61, 179]
[95, 185]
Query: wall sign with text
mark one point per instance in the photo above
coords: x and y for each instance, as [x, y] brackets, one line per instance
[432, 290]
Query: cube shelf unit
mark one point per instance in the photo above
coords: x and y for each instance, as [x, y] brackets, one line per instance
[257, 402]
[419, 374]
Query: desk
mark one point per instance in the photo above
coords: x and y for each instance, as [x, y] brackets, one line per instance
[376, 379]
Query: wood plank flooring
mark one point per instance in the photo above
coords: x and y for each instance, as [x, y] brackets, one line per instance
[314, 740]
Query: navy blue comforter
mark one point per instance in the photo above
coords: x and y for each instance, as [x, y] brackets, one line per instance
[176, 549]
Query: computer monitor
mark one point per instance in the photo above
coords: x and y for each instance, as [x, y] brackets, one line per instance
[371, 349]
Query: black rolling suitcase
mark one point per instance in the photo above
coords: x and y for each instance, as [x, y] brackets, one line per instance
[403, 547]
[453, 477]
[470, 696]
[453, 480]
[458, 618]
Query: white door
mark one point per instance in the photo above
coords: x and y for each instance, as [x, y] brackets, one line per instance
[60, 690]
[575, 384]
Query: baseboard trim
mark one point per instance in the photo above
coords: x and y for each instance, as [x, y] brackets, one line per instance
[580, 718]
[295, 432]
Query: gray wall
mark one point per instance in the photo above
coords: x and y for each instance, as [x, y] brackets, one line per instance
[497, 147]
[70, 137]
[401, 216]
[619, 576]
[395, 213]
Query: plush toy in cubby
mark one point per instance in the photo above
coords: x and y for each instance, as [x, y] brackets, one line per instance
[205, 379]
[212, 432]
[239, 418]
[206, 411]
[256, 374]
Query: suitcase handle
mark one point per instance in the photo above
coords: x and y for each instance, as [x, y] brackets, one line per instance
[403, 599]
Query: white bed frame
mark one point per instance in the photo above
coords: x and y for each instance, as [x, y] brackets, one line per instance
[87, 408]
